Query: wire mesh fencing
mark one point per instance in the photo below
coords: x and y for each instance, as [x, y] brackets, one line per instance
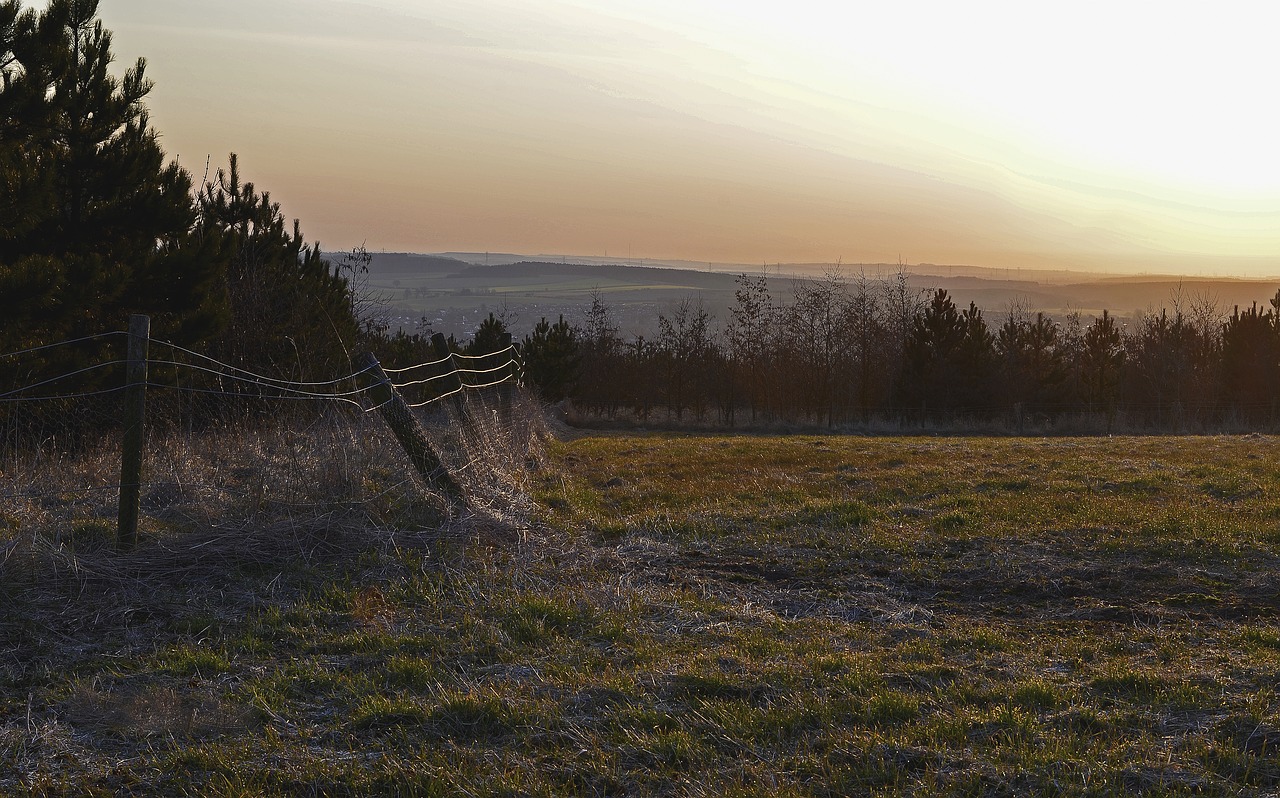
[227, 448]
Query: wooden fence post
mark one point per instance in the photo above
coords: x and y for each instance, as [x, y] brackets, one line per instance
[405, 427]
[135, 418]
[453, 384]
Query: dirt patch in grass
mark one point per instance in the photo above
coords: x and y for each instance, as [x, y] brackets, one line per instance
[146, 708]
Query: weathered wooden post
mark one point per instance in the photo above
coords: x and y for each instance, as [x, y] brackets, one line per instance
[405, 427]
[135, 413]
[453, 384]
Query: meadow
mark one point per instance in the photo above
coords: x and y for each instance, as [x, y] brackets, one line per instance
[683, 615]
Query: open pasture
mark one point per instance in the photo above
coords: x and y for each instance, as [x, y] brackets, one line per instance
[723, 615]
[962, 615]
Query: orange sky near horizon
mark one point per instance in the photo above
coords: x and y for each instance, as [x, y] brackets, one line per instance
[1116, 136]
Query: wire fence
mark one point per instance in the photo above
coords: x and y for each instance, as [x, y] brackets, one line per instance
[220, 436]
[210, 376]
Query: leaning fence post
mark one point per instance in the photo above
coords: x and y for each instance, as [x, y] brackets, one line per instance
[405, 427]
[453, 384]
[135, 412]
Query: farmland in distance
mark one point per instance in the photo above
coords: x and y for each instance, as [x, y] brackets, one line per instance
[452, 294]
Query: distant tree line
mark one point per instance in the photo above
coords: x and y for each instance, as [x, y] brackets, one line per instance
[847, 352]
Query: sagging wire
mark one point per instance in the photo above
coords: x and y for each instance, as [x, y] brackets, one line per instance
[298, 395]
[254, 375]
[97, 337]
[69, 374]
[259, 382]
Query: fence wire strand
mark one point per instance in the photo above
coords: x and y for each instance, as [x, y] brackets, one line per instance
[85, 339]
[487, 354]
[406, 369]
[62, 377]
[297, 396]
[459, 390]
[273, 386]
[447, 374]
[254, 375]
[81, 395]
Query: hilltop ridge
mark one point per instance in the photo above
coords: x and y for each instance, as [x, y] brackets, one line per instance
[452, 292]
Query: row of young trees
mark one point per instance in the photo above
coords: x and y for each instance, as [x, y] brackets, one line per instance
[846, 352]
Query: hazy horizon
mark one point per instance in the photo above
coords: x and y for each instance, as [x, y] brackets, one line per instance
[1088, 136]
[840, 269]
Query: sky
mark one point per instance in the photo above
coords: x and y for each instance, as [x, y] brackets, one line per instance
[1109, 136]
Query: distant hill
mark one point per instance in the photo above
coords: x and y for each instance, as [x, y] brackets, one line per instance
[451, 293]
[409, 263]
[611, 272]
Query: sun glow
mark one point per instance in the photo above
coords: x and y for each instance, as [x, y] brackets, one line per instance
[1109, 133]
[1125, 89]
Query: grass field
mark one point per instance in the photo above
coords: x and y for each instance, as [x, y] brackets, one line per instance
[713, 616]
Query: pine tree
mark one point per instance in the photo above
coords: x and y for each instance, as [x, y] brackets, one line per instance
[974, 362]
[1251, 362]
[1169, 360]
[291, 310]
[1102, 358]
[551, 358]
[936, 335]
[94, 224]
[489, 337]
[1031, 360]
